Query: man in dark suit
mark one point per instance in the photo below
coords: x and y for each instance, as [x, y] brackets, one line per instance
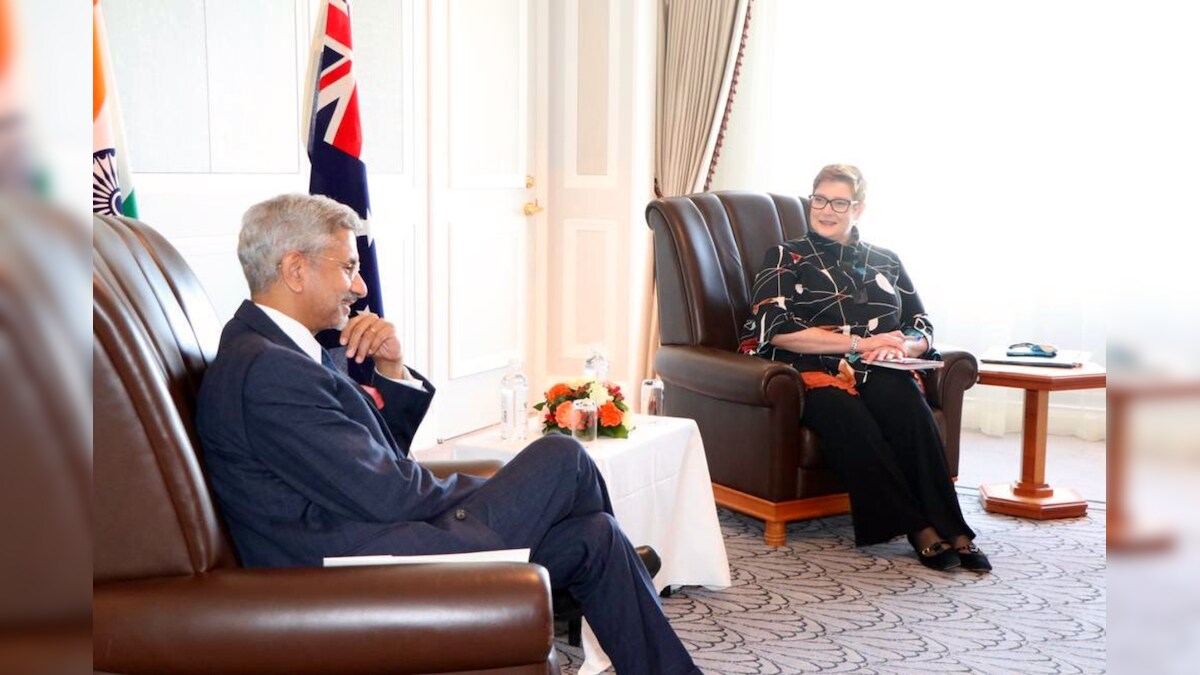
[306, 465]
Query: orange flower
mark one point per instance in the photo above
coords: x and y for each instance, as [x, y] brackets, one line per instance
[610, 415]
[564, 415]
[557, 391]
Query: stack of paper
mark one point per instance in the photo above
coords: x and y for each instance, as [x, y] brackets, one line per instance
[503, 555]
[908, 363]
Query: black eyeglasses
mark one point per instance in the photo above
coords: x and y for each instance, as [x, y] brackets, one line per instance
[838, 205]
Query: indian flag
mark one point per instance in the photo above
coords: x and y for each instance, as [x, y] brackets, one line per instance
[112, 182]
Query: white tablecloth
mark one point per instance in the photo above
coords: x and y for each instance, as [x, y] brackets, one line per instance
[661, 494]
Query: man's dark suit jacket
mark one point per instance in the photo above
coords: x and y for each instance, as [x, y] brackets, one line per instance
[305, 466]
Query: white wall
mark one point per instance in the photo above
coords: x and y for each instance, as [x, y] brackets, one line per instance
[999, 142]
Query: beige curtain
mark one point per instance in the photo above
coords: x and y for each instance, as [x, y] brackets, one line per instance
[700, 47]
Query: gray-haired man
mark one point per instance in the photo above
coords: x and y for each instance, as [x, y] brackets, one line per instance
[305, 465]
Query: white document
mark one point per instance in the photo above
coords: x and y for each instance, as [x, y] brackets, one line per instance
[907, 363]
[503, 555]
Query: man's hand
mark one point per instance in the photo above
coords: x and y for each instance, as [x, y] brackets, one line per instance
[366, 334]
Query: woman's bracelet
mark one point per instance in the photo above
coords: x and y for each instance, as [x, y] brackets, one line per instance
[853, 344]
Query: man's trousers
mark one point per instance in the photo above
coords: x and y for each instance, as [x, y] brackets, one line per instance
[552, 499]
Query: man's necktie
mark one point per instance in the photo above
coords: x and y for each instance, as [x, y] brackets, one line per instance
[386, 433]
[327, 361]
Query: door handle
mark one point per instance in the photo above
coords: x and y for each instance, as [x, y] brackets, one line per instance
[533, 208]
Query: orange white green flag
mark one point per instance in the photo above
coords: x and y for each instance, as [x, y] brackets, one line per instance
[112, 182]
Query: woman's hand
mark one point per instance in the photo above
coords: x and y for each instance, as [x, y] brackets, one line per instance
[883, 354]
[890, 340]
[916, 348]
[882, 347]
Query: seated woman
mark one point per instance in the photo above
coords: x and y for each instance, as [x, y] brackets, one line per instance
[833, 306]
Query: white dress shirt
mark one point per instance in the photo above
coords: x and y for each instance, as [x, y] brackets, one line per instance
[309, 345]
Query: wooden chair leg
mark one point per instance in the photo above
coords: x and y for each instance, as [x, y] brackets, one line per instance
[776, 533]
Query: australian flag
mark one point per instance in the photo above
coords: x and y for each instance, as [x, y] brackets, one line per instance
[335, 147]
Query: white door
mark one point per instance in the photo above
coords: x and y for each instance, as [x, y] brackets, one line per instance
[480, 153]
[591, 52]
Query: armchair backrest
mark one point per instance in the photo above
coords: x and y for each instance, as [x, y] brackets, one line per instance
[707, 249]
[154, 334]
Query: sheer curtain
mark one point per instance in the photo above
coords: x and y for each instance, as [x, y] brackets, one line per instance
[986, 136]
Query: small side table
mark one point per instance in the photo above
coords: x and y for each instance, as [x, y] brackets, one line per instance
[1032, 496]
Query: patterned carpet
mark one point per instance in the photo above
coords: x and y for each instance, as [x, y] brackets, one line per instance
[819, 604]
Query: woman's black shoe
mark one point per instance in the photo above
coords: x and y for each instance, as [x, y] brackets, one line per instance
[974, 559]
[939, 555]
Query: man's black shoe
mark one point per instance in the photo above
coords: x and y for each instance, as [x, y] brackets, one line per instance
[650, 560]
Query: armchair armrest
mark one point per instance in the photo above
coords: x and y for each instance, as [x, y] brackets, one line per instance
[484, 468]
[56, 648]
[944, 385]
[727, 376]
[401, 619]
[748, 410]
[944, 390]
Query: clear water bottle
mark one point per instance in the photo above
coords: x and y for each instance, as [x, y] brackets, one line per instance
[596, 366]
[652, 397]
[514, 403]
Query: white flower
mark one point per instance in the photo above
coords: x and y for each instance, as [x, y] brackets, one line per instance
[599, 393]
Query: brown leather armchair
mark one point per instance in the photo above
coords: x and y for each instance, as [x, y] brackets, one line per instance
[168, 593]
[707, 249]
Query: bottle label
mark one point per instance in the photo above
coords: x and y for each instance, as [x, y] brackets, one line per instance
[506, 413]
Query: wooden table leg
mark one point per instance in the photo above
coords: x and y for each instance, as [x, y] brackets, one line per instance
[1032, 496]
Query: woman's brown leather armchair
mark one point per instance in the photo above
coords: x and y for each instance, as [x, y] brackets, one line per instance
[764, 463]
[168, 593]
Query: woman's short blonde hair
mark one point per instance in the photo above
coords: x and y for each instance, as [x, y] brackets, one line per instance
[844, 173]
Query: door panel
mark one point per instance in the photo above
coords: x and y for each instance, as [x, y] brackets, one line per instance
[486, 284]
[480, 152]
[488, 93]
[591, 171]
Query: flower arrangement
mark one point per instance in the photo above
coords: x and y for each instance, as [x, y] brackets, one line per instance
[611, 408]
